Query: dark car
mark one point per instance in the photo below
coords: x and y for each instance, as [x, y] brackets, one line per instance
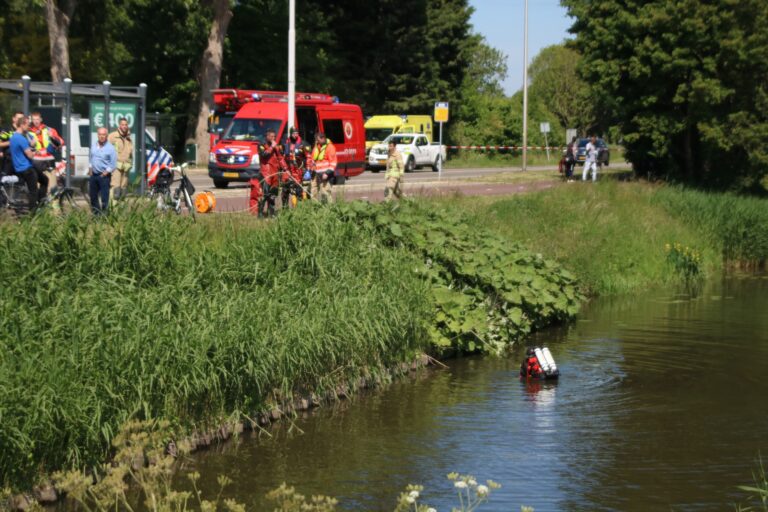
[603, 153]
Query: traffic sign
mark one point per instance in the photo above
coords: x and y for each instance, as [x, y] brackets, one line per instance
[441, 112]
[544, 127]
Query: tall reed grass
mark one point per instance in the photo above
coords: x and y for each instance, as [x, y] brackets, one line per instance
[145, 316]
[737, 226]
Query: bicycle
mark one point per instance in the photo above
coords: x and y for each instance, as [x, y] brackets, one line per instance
[14, 196]
[166, 199]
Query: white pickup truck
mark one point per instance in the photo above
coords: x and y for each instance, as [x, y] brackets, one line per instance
[416, 150]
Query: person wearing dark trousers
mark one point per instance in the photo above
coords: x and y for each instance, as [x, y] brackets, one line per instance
[103, 161]
[21, 156]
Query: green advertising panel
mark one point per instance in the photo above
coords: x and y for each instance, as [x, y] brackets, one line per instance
[117, 111]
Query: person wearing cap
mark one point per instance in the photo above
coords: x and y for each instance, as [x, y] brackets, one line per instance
[324, 157]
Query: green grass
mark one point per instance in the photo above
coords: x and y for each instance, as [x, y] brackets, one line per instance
[485, 159]
[145, 316]
[149, 316]
[613, 235]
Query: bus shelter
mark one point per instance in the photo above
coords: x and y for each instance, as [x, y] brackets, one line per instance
[65, 92]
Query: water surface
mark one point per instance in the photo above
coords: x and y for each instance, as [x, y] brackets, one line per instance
[661, 406]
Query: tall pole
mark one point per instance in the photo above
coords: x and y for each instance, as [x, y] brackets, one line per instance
[68, 129]
[291, 63]
[525, 90]
[106, 87]
[142, 140]
[25, 81]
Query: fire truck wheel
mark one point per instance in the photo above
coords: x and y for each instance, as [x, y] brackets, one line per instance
[220, 183]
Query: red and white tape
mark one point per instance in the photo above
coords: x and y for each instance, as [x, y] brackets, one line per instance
[530, 148]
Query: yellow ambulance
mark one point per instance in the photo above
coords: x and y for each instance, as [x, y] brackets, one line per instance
[378, 128]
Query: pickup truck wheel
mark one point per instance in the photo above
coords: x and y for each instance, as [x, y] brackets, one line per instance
[220, 183]
[436, 165]
[410, 165]
[375, 169]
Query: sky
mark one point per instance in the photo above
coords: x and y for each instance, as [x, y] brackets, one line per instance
[501, 22]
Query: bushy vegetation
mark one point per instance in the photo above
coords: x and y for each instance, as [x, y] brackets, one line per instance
[488, 291]
[145, 316]
[684, 80]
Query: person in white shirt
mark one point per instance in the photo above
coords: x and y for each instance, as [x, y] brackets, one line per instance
[590, 162]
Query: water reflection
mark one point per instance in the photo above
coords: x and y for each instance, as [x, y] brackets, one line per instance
[661, 407]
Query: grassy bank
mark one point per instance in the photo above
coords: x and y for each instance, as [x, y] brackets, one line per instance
[141, 316]
[613, 236]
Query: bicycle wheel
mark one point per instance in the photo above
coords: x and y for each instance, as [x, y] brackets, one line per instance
[67, 202]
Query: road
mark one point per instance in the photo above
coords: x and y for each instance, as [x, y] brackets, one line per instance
[370, 186]
[202, 182]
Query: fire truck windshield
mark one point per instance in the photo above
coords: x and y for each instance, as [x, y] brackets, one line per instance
[251, 129]
[220, 122]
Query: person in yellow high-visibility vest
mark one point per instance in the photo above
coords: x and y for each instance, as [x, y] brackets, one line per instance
[324, 157]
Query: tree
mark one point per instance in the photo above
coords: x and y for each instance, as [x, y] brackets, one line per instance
[685, 82]
[58, 15]
[555, 82]
[209, 75]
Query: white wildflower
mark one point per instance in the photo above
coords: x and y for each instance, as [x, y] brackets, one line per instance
[430, 509]
[472, 483]
[482, 490]
[460, 484]
[410, 499]
[414, 494]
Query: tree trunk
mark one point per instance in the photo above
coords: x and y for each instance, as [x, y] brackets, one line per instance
[209, 77]
[58, 15]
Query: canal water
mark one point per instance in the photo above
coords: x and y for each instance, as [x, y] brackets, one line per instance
[662, 405]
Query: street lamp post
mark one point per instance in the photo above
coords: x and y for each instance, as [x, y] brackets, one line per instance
[291, 63]
[525, 90]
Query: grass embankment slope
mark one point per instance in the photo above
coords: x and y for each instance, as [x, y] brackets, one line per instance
[142, 316]
[613, 235]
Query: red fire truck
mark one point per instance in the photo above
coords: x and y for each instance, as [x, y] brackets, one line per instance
[234, 156]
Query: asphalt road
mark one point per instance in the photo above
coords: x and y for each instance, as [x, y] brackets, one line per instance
[202, 182]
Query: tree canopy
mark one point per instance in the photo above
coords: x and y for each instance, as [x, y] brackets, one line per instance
[385, 58]
[686, 81]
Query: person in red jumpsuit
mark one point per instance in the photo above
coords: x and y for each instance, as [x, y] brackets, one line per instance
[264, 188]
[531, 368]
[294, 159]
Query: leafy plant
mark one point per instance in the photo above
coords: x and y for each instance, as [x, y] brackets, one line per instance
[685, 262]
[488, 292]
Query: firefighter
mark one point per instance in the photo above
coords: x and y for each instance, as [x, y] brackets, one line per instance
[324, 158]
[394, 175]
[531, 368]
[46, 141]
[271, 159]
[294, 159]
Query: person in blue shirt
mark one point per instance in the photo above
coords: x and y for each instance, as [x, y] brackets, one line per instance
[103, 162]
[21, 158]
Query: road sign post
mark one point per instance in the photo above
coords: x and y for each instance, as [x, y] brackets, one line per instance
[441, 116]
[545, 130]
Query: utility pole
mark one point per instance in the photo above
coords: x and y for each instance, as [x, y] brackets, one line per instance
[291, 64]
[525, 90]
